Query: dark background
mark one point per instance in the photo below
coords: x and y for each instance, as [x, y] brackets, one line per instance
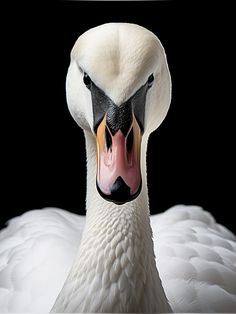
[190, 156]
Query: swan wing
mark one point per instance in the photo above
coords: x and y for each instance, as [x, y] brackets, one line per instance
[36, 252]
[196, 259]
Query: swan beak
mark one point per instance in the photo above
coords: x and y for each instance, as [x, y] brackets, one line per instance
[118, 163]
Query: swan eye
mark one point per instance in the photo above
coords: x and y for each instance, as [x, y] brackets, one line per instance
[150, 80]
[87, 80]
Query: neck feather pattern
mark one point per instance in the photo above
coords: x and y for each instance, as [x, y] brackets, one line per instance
[115, 269]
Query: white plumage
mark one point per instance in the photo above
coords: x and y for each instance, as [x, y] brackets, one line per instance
[53, 260]
[196, 258]
[36, 253]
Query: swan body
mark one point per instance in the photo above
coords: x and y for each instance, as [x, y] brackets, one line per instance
[118, 91]
[195, 258]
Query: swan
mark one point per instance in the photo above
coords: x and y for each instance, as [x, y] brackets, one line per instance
[118, 89]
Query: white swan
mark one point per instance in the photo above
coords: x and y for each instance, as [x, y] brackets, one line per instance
[118, 91]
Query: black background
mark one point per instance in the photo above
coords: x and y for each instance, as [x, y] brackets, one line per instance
[190, 156]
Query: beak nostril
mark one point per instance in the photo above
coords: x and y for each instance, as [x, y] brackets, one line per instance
[130, 141]
[108, 139]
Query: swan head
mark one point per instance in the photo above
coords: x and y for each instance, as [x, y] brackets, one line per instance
[118, 88]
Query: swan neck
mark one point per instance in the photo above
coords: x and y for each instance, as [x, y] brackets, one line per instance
[115, 269]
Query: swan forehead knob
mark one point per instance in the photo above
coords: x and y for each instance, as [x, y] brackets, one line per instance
[118, 57]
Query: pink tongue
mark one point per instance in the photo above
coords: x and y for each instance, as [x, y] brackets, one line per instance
[118, 162]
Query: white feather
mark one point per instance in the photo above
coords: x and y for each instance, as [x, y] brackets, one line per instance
[197, 266]
[36, 253]
[196, 259]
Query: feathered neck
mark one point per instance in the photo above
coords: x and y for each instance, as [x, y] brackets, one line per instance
[115, 269]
